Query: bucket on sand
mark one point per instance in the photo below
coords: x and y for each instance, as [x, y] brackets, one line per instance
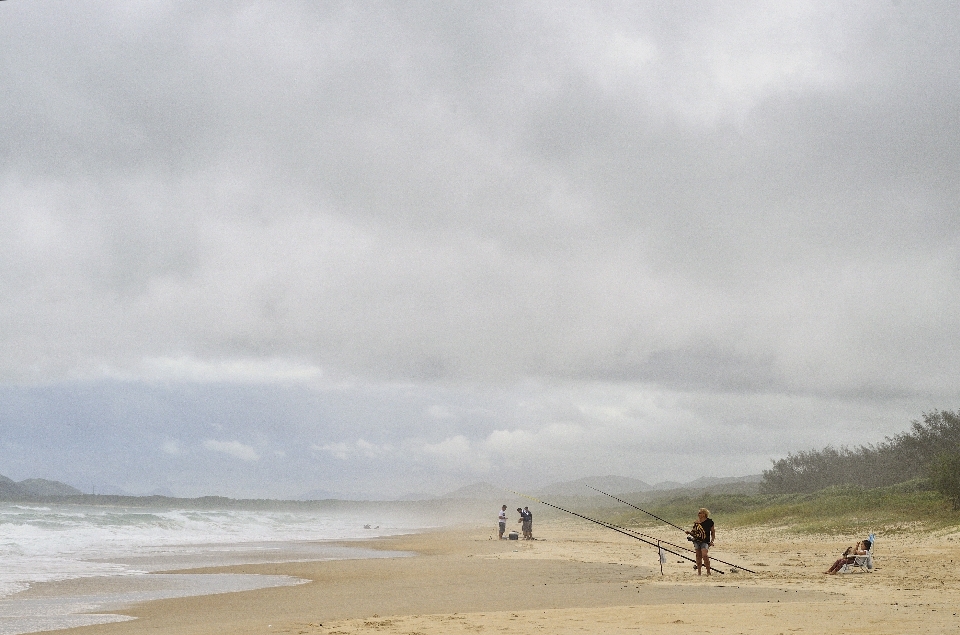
[513, 535]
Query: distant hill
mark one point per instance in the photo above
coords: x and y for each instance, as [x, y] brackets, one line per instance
[609, 484]
[166, 492]
[612, 484]
[43, 487]
[665, 485]
[34, 488]
[9, 488]
[710, 481]
[479, 491]
[749, 484]
[39, 488]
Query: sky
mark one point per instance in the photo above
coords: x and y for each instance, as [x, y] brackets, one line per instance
[384, 249]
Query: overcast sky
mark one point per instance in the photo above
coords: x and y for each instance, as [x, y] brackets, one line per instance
[259, 249]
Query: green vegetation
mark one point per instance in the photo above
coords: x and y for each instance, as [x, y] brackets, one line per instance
[905, 457]
[945, 476]
[837, 510]
[909, 481]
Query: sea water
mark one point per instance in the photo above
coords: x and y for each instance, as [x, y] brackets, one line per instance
[60, 564]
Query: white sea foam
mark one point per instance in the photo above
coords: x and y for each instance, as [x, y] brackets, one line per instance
[63, 542]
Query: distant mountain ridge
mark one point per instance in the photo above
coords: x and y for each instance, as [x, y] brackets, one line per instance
[710, 481]
[480, 491]
[34, 488]
[626, 485]
[38, 488]
[611, 484]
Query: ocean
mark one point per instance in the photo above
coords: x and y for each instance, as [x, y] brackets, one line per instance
[63, 563]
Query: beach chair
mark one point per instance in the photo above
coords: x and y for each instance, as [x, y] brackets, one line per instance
[862, 564]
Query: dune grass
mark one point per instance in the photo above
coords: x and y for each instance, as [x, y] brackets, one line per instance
[834, 511]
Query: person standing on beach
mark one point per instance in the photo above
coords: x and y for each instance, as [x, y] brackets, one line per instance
[703, 534]
[526, 518]
[502, 520]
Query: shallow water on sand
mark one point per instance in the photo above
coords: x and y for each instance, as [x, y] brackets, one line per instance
[52, 606]
[63, 564]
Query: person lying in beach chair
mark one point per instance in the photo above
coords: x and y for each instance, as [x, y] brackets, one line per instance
[862, 563]
[857, 557]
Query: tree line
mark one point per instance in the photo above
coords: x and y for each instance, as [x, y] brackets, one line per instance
[929, 450]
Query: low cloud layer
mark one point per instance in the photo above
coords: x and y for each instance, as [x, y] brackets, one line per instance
[434, 242]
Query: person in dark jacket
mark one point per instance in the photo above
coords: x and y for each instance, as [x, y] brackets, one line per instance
[703, 533]
[526, 517]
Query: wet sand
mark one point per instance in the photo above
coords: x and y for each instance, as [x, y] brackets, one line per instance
[581, 579]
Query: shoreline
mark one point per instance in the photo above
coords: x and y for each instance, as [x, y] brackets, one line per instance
[164, 574]
[576, 579]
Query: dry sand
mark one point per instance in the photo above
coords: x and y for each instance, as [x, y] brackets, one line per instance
[578, 578]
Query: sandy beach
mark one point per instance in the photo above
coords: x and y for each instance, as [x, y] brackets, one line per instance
[582, 579]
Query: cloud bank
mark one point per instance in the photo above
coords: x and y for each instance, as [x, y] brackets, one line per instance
[415, 246]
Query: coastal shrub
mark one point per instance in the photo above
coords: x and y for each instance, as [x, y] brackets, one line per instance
[903, 457]
[945, 476]
[837, 510]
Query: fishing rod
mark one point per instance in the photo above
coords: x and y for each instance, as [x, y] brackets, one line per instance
[669, 523]
[617, 529]
[659, 540]
[637, 508]
[664, 542]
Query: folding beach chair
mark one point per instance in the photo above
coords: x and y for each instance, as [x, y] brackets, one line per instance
[861, 564]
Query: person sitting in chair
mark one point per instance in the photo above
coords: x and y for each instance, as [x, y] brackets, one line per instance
[861, 549]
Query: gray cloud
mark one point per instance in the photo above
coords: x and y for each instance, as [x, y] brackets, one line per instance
[745, 204]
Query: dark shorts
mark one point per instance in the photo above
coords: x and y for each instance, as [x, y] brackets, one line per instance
[503, 527]
[701, 546]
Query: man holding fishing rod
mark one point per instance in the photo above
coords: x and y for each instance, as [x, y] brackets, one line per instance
[703, 534]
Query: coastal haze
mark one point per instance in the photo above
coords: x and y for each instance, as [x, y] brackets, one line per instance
[335, 250]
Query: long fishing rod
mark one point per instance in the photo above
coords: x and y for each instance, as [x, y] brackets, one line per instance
[659, 540]
[636, 535]
[637, 508]
[625, 532]
[712, 558]
[671, 524]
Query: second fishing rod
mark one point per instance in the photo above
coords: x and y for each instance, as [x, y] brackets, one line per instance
[622, 530]
[667, 522]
